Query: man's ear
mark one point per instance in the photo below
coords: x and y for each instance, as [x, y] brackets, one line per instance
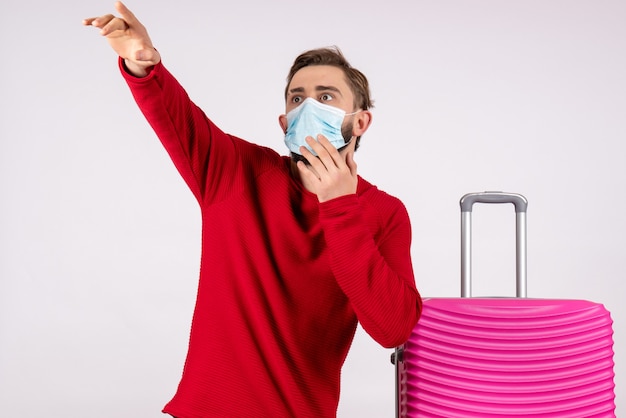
[282, 121]
[362, 121]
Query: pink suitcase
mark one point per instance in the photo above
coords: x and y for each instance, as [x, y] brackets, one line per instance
[506, 357]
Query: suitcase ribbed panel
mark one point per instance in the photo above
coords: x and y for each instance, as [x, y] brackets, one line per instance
[500, 357]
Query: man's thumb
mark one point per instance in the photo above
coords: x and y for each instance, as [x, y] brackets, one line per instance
[146, 55]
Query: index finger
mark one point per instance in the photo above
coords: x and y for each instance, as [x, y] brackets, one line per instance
[125, 13]
[330, 149]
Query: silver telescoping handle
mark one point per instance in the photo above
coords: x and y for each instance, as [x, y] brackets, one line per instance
[521, 205]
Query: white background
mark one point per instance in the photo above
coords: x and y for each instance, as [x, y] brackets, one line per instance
[100, 238]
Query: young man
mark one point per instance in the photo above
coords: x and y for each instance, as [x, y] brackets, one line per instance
[295, 250]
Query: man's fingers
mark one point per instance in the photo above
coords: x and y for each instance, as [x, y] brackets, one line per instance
[306, 172]
[316, 145]
[306, 153]
[109, 23]
[98, 22]
[113, 25]
[125, 13]
[326, 151]
[319, 161]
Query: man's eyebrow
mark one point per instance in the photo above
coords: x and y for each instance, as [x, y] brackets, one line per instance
[317, 88]
[328, 88]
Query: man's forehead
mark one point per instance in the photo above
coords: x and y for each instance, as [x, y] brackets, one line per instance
[316, 76]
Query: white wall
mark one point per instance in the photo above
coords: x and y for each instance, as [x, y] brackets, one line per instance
[99, 237]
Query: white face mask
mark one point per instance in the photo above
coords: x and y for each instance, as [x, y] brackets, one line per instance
[312, 118]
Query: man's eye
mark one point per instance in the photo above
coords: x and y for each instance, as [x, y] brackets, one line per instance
[326, 97]
[296, 99]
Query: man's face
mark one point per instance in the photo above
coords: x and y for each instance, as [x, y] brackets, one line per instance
[326, 84]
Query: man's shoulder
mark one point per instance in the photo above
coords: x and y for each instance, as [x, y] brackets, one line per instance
[369, 190]
[381, 201]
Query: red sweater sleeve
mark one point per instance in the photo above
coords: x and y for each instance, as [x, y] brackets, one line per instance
[187, 134]
[375, 272]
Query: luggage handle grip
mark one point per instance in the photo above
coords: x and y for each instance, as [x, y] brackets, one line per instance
[520, 202]
[521, 205]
